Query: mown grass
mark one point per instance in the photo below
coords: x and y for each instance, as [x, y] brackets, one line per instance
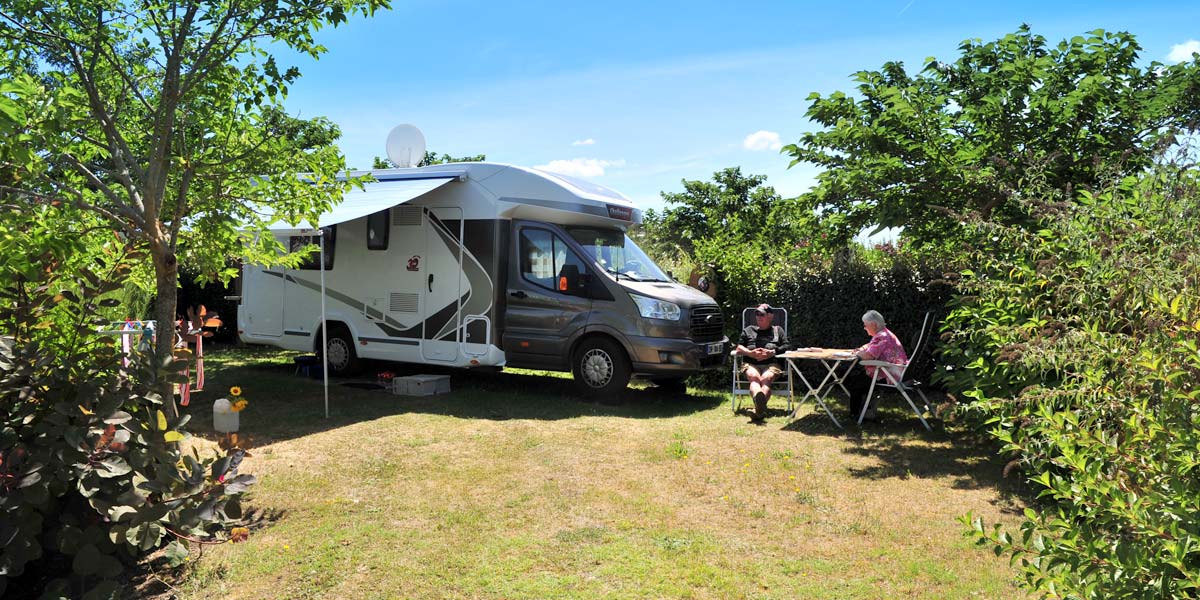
[511, 487]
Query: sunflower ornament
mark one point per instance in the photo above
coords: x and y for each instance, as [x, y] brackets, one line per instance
[236, 402]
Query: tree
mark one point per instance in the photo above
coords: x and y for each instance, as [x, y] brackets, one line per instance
[734, 225]
[166, 119]
[920, 151]
[731, 205]
[430, 158]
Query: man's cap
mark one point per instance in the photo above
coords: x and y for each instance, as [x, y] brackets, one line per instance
[763, 309]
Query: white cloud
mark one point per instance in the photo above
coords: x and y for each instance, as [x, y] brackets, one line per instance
[762, 140]
[1182, 52]
[587, 142]
[580, 167]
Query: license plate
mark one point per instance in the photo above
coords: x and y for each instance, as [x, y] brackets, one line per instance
[715, 348]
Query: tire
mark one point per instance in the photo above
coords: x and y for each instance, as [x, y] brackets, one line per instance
[671, 385]
[600, 367]
[339, 350]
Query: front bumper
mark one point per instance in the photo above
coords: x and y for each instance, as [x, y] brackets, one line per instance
[675, 357]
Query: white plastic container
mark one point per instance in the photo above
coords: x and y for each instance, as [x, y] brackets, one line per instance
[421, 385]
[224, 419]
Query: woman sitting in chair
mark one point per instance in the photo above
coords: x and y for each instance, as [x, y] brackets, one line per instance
[758, 346]
[885, 346]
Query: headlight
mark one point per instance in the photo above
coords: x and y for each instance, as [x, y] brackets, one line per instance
[656, 309]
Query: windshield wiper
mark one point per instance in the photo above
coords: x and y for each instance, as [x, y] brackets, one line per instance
[616, 274]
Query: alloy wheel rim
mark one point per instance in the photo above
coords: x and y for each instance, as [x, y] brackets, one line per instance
[597, 368]
[338, 354]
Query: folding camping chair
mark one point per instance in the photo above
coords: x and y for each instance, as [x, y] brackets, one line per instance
[781, 386]
[902, 380]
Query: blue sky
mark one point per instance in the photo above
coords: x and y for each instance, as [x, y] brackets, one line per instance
[638, 96]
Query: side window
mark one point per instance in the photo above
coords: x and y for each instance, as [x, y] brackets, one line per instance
[543, 256]
[564, 256]
[312, 261]
[378, 227]
[537, 257]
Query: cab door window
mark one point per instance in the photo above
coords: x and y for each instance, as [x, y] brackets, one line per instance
[543, 256]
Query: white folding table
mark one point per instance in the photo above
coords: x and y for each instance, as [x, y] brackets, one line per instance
[835, 374]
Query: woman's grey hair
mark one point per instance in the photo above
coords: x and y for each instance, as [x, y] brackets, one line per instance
[874, 317]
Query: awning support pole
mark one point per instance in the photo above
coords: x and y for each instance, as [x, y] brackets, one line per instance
[324, 329]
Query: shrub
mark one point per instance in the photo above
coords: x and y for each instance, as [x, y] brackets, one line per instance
[1076, 346]
[826, 297]
[90, 466]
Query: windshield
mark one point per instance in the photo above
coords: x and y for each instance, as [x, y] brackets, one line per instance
[617, 254]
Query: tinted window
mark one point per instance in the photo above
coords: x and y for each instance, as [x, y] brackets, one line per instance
[543, 256]
[537, 256]
[377, 230]
[312, 261]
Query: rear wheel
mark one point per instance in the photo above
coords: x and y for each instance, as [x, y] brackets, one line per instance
[600, 367]
[339, 351]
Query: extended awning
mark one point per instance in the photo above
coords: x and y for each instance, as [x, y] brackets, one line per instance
[376, 196]
[389, 189]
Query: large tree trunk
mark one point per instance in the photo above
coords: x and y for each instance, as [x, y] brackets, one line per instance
[166, 271]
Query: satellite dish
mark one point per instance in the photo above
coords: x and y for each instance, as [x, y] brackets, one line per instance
[405, 146]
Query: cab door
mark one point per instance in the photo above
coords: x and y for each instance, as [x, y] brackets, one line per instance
[542, 316]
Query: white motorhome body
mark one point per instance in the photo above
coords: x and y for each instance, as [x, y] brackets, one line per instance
[459, 265]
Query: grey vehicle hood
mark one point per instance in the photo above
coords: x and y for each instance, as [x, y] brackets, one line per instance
[684, 296]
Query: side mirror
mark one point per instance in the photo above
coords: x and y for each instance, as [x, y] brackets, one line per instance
[568, 280]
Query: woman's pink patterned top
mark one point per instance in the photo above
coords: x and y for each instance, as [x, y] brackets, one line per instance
[884, 346]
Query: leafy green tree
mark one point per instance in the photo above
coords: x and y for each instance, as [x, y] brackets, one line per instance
[166, 120]
[1075, 345]
[921, 151]
[734, 227]
[430, 158]
[91, 475]
[732, 205]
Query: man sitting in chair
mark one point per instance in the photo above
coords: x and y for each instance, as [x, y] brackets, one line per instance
[759, 345]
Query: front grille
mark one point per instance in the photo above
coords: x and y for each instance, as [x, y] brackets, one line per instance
[708, 325]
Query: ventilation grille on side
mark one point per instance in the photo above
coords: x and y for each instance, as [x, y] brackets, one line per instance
[406, 216]
[405, 302]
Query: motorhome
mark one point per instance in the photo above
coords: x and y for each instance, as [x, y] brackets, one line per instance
[484, 265]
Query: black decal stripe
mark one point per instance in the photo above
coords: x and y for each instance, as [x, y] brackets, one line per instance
[391, 341]
[439, 320]
[411, 332]
[479, 285]
[476, 301]
[300, 333]
[390, 326]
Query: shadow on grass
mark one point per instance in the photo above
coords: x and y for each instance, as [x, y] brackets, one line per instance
[284, 405]
[903, 449]
[969, 460]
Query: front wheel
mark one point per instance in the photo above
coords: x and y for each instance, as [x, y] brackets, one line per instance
[339, 351]
[600, 367]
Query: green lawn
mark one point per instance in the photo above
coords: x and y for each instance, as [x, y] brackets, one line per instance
[510, 487]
